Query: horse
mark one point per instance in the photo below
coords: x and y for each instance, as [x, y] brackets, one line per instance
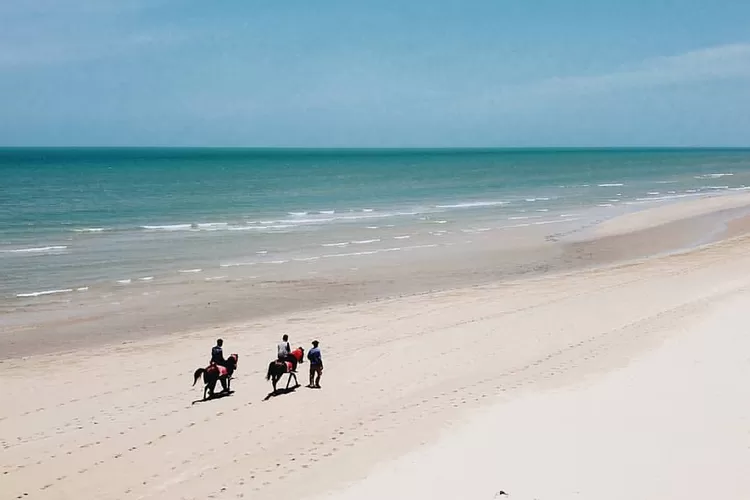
[277, 368]
[216, 373]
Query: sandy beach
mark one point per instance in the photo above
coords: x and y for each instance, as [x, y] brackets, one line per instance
[617, 375]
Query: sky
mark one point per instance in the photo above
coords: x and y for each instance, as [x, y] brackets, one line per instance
[318, 73]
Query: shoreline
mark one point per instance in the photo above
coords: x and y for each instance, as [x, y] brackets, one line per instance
[117, 421]
[171, 310]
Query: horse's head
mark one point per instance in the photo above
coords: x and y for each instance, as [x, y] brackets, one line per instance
[232, 360]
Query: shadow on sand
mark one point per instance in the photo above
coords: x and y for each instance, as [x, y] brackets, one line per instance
[280, 392]
[217, 395]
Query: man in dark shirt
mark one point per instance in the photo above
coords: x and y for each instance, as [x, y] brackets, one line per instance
[316, 365]
[217, 354]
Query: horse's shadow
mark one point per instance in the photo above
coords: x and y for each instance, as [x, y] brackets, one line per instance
[217, 395]
[280, 392]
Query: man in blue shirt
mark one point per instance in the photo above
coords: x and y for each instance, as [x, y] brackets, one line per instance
[316, 365]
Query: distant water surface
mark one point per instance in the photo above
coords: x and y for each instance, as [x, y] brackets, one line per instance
[75, 218]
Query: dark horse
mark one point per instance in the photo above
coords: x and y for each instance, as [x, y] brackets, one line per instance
[276, 369]
[216, 373]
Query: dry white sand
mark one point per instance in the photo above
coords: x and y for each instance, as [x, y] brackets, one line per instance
[117, 422]
[674, 424]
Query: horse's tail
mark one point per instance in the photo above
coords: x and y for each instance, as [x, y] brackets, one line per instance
[270, 370]
[198, 374]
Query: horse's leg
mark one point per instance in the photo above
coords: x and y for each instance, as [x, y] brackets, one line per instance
[224, 383]
[296, 382]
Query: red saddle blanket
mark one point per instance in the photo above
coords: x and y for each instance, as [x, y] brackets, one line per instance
[221, 369]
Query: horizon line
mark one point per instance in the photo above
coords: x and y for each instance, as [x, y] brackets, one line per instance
[380, 148]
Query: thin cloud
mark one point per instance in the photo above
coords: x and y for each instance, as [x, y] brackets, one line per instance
[713, 63]
[54, 53]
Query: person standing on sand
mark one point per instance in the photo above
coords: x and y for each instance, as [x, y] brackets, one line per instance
[217, 354]
[316, 365]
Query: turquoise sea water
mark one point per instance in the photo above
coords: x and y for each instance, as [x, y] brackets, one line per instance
[73, 218]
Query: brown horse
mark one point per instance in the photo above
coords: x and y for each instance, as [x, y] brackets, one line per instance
[276, 369]
[216, 373]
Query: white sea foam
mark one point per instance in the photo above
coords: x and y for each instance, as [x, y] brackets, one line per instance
[277, 262]
[543, 210]
[146, 278]
[605, 205]
[340, 244]
[653, 193]
[440, 222]
[373, 227]
[211, 226]
[168, 227]
[327, 212]
[305, 259]
[473, 204]
[568, 215]
[124, 282]
[82, 288]
[91, 229]
[297, 214]
[714, 176]
[190, 271]
[367, 209]
[417, 247]
[373, 252]
[402, 237]
[365, 242]
[545, 222]
[44, 292]
[613, 184]
[47, 249]
[237, 264]
[214, 278]
[261, 252]
[715, 187]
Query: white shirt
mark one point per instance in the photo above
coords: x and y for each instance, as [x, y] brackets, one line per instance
[283, 349]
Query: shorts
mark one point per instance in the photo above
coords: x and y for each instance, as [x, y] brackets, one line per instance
[316, 369]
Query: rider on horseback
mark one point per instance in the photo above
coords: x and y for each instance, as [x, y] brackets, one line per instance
[217, 354]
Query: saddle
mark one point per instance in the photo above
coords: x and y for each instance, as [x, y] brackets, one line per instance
[223, 372]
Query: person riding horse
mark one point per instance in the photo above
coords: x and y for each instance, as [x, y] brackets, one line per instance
[217, 354]
[279, 367]
[295, 357]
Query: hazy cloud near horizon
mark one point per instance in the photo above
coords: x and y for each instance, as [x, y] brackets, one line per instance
[378, 74]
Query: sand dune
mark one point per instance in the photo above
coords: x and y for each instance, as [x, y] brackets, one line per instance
[117, 422]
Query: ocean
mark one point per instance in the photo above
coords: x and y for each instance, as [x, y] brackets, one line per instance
[80, 220]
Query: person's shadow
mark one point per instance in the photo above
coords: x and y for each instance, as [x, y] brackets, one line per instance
[280, 392]
[217, 395]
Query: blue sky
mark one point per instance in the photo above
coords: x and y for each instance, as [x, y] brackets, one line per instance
[386, 73]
